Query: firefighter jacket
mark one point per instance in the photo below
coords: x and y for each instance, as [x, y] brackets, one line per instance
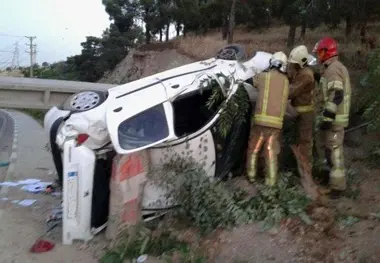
[301, 91]
[335, 93]
[273, 91]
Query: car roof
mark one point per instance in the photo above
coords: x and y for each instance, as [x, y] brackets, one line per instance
[187, 74]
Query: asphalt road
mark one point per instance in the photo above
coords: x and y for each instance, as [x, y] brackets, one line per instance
[6, 140]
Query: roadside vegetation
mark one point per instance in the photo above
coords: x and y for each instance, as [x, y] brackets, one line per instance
[208, 207]
[37, 114]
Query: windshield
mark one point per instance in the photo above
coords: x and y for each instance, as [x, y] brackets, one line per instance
[144, 128]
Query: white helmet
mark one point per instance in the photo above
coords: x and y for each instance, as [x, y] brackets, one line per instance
[278, 60]
[299, 55]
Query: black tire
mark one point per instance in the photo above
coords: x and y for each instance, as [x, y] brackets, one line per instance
[232, 52]
[98, 96]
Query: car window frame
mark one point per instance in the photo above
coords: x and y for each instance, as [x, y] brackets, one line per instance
[208, 124]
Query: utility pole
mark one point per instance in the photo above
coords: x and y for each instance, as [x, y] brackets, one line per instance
[31, 53]
[16, 57]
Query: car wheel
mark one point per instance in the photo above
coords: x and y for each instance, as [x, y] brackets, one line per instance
[232, 52]
[84, 101]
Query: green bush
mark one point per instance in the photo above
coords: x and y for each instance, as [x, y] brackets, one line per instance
[143, 241]
[35, 113]
[369, 103]
[208, 204]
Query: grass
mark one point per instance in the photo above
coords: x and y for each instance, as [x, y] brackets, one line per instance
[38, 115]
[139, 240]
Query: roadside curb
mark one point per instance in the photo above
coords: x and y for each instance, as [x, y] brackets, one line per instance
[13, 157]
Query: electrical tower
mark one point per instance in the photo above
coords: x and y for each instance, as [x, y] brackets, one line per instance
[16, 57]
[32, 53]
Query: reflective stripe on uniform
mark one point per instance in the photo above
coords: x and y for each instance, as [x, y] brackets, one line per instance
[285, 94]
[331, 107]
[263, 118]
[266, 94]
[275, 122]
[341, 119]
[336, 84]
[304, 109]
[327, 119]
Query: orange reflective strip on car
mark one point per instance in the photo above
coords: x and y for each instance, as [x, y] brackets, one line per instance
[132, 167]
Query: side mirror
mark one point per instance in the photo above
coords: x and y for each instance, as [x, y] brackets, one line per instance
[311, 60]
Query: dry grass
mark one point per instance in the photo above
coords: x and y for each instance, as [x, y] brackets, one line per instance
[274, 39]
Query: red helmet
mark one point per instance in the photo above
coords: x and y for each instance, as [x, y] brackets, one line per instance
[326, 48]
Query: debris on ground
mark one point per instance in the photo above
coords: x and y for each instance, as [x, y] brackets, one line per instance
[27, 202]
[41, 246]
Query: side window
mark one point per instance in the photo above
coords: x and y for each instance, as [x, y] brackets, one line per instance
[145, 128]
[194, 110]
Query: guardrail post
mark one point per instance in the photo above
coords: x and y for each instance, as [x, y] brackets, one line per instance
[46, 97]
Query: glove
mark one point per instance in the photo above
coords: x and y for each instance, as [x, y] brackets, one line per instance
[325, 125]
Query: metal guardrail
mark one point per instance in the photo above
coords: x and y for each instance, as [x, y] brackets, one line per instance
[41, 93]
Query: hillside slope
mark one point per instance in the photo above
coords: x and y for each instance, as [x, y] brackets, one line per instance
[142, 63]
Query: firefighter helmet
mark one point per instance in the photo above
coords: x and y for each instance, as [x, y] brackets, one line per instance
[326, 48]
[299, 55]
[278, 60]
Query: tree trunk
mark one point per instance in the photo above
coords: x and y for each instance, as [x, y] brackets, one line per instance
[160, 32]
[167, 32]
[178, 28]
[291, 35]
[147, 26]
[303, 30]
[231, 23]
[225, 29]
[147, 33]
[348, 27]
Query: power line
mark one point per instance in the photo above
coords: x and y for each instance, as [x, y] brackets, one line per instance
[8, 35]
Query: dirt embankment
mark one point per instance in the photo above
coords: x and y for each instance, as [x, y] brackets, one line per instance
[146, 61]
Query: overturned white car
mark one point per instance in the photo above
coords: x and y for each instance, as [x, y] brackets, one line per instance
[165, 110]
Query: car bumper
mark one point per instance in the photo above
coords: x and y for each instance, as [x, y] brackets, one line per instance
[52, 116]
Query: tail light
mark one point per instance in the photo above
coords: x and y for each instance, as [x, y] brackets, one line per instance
[82, 138]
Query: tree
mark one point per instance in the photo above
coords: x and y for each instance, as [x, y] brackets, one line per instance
[292, 17]
[122, 13]
[231, 25]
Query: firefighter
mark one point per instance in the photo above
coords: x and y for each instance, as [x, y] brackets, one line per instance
[301, 96]
[267, 121]
[335, 100]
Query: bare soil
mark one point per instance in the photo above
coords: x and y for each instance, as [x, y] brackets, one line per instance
[143, 63]
[345, 230]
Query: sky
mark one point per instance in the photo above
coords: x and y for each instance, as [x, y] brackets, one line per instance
[59, 26]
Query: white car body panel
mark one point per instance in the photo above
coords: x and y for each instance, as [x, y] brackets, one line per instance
[200, 148]
[91, 122]
[78, 171]
[51, 116]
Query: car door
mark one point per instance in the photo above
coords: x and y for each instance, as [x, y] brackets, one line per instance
[194, 122]
[139, 118]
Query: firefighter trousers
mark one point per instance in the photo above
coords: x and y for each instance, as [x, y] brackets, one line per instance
[305, 135]
[329, 144]
[263, 140]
